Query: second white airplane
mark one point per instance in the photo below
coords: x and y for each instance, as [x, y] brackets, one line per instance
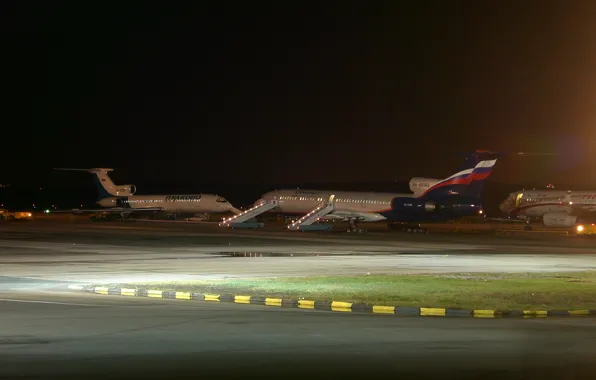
[555, 208]
[121, 199]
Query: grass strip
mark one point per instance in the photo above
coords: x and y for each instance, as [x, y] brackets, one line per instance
[501, 291]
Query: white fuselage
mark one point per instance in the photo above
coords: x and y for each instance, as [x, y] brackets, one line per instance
[365, 206]
[418, 185]
[195, 203]
[536, 203]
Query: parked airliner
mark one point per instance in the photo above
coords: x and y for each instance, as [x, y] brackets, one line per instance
[453, 197]
[120, 199]
[555, 208]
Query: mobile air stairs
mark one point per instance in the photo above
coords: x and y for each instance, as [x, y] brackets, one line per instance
[242, 220]
[305, 223]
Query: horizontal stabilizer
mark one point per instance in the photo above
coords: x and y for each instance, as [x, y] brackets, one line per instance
[91, 170]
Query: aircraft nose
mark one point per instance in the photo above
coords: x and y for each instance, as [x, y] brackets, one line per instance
[504, 206]
[107, 202]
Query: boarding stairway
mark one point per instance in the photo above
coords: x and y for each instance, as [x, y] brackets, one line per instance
[305, 223]
[240, 220]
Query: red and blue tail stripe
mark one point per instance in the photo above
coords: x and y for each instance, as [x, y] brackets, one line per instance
[469, 180]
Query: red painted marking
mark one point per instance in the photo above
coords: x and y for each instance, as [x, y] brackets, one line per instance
[464, 180]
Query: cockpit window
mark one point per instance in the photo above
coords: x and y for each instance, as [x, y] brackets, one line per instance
[221, 199]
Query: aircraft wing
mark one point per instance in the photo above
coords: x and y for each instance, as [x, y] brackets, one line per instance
[110, 209]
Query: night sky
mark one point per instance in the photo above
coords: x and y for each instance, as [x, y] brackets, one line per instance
[216, 92]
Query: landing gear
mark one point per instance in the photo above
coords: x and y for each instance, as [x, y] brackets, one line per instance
[354, 226]
[409, 228]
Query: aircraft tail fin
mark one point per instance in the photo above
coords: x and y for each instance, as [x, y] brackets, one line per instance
[105, 186]
[469, 179]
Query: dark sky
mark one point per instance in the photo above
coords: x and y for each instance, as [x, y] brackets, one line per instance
[280, 92]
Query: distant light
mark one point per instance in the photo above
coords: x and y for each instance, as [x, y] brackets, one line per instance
[580, 228]
[47, 211]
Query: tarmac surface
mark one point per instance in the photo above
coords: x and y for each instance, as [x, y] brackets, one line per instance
[110, 252]
[47, 331]
[93, 336]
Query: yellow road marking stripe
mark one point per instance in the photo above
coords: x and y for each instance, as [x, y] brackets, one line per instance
[155, 293]
[341, 306]
[432, 311]
[306, 304]
[273, 301]
[579, 312]
[183, 295]
[537, 313]
[384, 309]
[242, 299]
[483, 313]
[212, 297]
[128, 292]
[101, 290]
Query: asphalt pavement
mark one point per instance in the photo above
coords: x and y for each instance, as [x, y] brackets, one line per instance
[70, 335]
[48, 332]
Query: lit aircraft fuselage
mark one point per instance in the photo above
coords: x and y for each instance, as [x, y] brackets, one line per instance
[371, 206]
[365, 206]
[537, 203]
[191, 204]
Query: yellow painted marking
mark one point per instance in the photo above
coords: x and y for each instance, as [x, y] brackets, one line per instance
[128, 292]
[154, 293]
[212, 297]
[273, 301]
[579, 312]
[535, 313]
[432, 311]
[101, 290]
[306, 304]
[183, 295]
[242, 299]
[341, 306]
[384, 309]
[484, 313]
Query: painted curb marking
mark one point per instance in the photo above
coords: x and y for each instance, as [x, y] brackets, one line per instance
[337, 306]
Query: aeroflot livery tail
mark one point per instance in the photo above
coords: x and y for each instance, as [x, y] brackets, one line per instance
[120, 199]
[453, 197]
[419, 185]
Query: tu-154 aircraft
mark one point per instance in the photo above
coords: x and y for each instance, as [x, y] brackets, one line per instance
[121, 199]
[451, 198]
